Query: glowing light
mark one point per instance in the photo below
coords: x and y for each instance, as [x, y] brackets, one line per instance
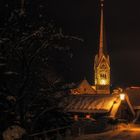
[122, 96]
[88, 116]
[135, 129]
[75, 117]
[103, 81]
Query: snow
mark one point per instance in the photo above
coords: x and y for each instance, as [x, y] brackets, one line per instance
[122, 132]
[91, 103]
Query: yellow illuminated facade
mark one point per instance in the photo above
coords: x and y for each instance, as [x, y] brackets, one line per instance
[101, 68]
[102, 63]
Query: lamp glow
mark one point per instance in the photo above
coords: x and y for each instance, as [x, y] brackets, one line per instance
[103, 81]
[88, 116]
[75, 117]
[122, 96]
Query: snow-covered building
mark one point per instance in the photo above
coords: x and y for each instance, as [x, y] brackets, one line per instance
[96, 100]
[83, 88]
[97, 105]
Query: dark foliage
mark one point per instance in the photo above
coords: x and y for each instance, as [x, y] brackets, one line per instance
[31, 67]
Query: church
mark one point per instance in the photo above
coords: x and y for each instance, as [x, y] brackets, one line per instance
[101, 67]
[94, 101]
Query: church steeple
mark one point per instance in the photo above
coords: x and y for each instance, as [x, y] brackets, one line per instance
[102, 62]
[101, 43]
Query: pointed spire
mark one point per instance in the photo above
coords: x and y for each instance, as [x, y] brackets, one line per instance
[101, 30]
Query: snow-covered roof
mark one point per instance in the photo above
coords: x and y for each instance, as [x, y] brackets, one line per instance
[83, 88]
[90, 103]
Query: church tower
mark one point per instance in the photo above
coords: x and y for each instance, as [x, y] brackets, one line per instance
[102, 62]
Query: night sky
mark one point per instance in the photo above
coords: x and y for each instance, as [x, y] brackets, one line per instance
[81, 18]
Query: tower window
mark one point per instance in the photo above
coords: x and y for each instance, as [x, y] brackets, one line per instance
[103, 76]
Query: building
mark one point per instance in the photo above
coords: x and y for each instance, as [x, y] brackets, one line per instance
[133, 94]
[102, 62]
[98, 105]
[95, 101]
[101, 67]
[83, 88]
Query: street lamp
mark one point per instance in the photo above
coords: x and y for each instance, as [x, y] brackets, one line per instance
[122, 96]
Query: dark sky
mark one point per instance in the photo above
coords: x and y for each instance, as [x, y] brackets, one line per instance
[122, 23]
[81, 18]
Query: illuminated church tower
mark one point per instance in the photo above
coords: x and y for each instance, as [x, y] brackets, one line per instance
[102, 62]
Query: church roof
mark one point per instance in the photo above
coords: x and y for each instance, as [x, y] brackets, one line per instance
[84, 82]
[83, 88]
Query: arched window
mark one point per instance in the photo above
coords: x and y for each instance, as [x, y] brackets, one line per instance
[102, 75]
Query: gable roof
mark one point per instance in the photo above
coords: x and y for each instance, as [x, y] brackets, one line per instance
[83, 88]
[90, 103]
[96, 103]
[99, 60]
[103, 58]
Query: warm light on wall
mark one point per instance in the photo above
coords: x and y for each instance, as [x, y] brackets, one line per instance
[122, 96]
[103, 81]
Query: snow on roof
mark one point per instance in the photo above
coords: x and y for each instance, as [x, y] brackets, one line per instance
[83, 88]
[90, 103]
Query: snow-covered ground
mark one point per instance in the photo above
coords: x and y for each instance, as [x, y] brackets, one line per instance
[123, 132]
